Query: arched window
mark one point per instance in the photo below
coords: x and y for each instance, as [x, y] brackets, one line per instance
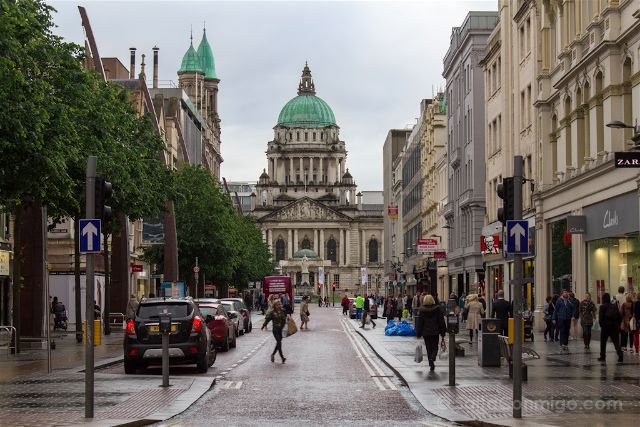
[373, 250]
[306, 244]
[279, 249]
[331, 250]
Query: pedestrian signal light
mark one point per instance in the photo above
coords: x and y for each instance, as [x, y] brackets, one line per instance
[505, 192]
[103, 192]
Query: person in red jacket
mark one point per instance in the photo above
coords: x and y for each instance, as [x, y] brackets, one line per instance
[345, 305]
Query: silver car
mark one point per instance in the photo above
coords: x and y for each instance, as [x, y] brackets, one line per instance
[235, 316]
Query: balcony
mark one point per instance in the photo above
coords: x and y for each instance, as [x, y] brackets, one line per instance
[447, 212]
[456, 157]
[465, 198]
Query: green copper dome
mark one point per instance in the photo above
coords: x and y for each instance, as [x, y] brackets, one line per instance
[306, 109]
[191, 62]
[206, 57]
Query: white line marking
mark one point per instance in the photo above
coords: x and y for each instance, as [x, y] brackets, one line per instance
[375, 365]
[367, 367]
[238, 385]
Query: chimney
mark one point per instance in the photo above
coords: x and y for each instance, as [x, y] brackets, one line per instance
[155, 66]
[132, 67]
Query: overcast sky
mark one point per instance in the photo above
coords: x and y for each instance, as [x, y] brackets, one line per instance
[372, 62]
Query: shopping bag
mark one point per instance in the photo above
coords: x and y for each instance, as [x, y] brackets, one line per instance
[418, 356]
[444, 353]
[633, 325]
[291, 327]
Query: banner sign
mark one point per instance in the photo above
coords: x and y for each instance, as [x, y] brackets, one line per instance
[427, 246]
[392, 211]
[363, 275]
[490, 244]
[321, 275]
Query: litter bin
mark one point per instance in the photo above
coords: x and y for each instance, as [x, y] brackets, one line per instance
[488, 343]
[97, 332]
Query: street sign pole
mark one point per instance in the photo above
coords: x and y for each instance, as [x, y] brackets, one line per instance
[197, 273]
[517, 299]
[88, 368]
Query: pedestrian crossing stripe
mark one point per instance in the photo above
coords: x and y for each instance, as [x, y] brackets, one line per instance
[232, 385]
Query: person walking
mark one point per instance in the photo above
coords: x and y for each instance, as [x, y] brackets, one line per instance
[636, 316]
[587, 313]
[574, 329]
[430, 324]
[132, 307]
[359, 306]
[625, 330]
[365, 314]
[461, 303]
[556, 330]
[474, 314]
[304, 314]
[548, 318]
[562, 316]
[345, 305]
[279, 318]
[609, 317]
[502, 312]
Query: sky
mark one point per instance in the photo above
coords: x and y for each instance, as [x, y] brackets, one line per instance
[372, 62]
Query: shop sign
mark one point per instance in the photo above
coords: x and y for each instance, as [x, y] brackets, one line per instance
[614, 217]
[392, 211]
[4, 263]
[136, 268]
[427, 246]
[577, 224]
[440, 255]
[490, 244]
[627, 159]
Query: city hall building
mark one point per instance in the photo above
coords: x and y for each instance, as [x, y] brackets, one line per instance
[306, 203]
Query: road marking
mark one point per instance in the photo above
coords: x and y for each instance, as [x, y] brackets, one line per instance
[235, 385]
[366, 365]
[375, 365]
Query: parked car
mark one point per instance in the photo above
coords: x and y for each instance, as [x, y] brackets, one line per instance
[235, 316]
[223, 330]
[190, 339]
[244, 311]
[373, 308]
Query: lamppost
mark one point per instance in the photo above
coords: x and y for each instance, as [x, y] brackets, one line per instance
[635, 138]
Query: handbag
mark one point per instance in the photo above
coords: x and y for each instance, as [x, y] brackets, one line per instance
[633, 325]
[444, 353]
[418, 356]
[307, 313]
[292, 328]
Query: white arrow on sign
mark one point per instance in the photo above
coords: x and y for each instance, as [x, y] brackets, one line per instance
[519, 232]
[90, 230]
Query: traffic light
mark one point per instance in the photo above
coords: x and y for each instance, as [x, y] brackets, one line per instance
[505, 192]
[334, 287]
[104, 190]
[318, 285]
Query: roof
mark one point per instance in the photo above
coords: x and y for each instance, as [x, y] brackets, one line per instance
[205, 54]
[305, 253]
[191, 62]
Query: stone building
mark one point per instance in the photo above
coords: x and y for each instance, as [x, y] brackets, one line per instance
[307, 206]
[465, 209]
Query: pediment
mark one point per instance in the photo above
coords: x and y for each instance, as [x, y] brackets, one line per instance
[305, 209]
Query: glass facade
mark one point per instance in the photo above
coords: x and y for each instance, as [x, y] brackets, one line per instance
[613, 262]
[561, 271]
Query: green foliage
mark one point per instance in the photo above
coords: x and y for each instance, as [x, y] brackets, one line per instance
[229, 247]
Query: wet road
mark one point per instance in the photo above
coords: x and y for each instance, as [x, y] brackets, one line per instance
[331, 377]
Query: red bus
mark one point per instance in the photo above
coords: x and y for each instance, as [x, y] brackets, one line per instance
[278, 285]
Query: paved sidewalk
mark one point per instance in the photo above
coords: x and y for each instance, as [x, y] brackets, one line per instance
[29, 396]
[564, 389]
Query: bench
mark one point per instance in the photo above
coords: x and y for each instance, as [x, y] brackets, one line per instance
[506, 351]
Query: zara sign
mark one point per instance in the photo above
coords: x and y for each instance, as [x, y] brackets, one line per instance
[613, 217]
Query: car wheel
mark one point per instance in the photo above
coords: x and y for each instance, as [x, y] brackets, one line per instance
[352, 317]
[225, 346]
[250, 327]
[213, 354]
[237, 332]
[203, 363]
[234, 342]
[129, 367]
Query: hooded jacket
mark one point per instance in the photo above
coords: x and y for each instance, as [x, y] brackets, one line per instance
[430, 321]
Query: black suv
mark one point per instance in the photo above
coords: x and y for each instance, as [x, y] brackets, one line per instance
[189, 340]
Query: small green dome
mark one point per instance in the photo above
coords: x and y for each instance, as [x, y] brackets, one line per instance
[306, 109]
[305, 253]
[206, 57]
[191, 62]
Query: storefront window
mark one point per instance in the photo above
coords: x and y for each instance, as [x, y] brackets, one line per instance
[613, 262]
[561, 273]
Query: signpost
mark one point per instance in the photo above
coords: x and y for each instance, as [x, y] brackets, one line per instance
[90, 232]
[517, 243]
[517, 237]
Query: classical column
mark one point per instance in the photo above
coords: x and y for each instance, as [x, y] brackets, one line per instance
[348, 246]
[315, 241]
[271, 175]
[270, 240]
[321, 172]
[291, 171]
[341, 251]
[311, 171]
[321, 244]
[337, 161]
[264, 236]
[290, 244]
[295, 241]
[301, 169]
[363, 248]
[381, 249]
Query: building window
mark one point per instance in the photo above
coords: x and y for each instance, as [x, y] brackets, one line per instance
[306, 136]
[373, 250]
[279, 250]
[290, 136]
[336, 280]
[314, 136]
[306, 244]
[331, 250]
[321, 136]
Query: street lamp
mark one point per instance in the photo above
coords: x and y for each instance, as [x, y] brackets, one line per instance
[617, 124]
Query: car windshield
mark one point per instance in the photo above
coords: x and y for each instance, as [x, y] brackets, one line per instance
[151, 311]
[229, 305]
[209, 310]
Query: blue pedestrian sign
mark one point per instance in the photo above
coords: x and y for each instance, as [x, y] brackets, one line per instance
[518, 237]
[90, 236]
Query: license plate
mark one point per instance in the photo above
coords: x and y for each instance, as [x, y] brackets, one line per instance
[156, 328]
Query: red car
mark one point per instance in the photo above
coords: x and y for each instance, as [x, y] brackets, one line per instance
[223, 330]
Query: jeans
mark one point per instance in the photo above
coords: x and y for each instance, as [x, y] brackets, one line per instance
[564, 325]
[358, 313]
[549, 330]
[277, 334]
[431, 343]
[605, 334]
[625, 337]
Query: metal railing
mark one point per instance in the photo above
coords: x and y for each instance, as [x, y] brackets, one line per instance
[8, 338]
